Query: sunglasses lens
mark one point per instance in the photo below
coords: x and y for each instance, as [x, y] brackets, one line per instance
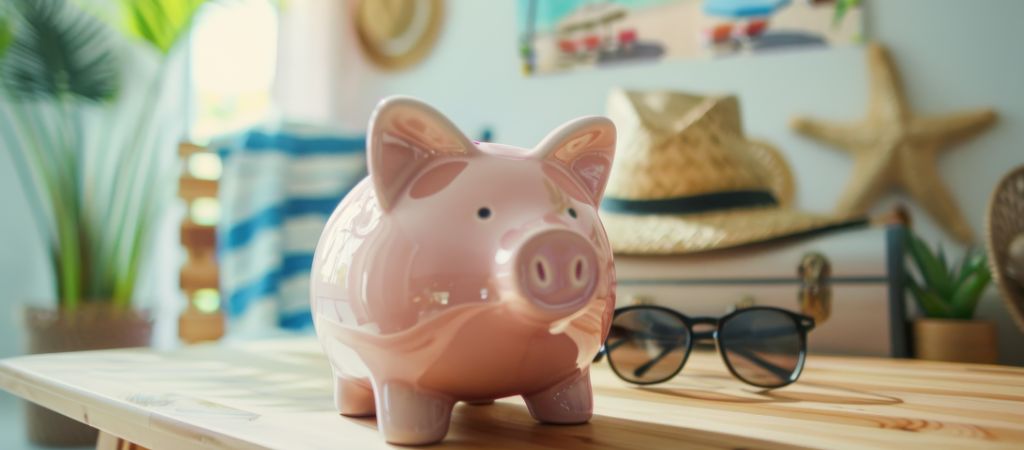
[647, 345]
[763, 347]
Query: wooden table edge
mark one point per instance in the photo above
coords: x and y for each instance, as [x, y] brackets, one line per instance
[110, 417]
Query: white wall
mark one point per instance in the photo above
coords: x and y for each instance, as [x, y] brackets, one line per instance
[24, 272]
[953, 54]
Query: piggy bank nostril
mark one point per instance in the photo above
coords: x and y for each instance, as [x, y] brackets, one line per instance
[578, 272]
[541, 272]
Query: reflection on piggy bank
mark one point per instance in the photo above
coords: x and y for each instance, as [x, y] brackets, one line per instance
[465, 271]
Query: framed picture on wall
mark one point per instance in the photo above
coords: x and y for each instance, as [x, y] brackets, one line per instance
[563, 35]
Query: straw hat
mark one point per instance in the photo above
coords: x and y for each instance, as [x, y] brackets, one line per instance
[1005, 228]
[685, 179]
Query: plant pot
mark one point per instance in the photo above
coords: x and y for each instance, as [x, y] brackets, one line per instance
[955, 340]
[93, 326]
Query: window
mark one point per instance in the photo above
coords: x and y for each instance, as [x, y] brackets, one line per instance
[233, 54]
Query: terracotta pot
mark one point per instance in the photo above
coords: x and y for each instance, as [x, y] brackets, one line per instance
[90, 327]
[955, 340]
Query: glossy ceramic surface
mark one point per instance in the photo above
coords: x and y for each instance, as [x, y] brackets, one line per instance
[465, 271]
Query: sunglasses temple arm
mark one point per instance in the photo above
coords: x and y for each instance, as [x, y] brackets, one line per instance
[608, 347]
[764, 364]
[642, 369]
[750, 356]
[774, 369]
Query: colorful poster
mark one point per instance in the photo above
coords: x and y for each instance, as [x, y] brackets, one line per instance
[560, 35]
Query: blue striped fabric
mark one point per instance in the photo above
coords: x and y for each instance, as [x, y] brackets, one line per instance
[276, 141]
[273, 216]
[278, 189]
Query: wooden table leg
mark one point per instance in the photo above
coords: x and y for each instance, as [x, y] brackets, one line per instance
[107, 441]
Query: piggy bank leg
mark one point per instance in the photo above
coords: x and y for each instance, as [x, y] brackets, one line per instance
[353, 397]
[410, 416]
[568, 402]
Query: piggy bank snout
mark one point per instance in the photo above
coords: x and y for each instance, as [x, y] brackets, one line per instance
[557, 270]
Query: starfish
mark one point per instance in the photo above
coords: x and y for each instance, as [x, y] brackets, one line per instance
[892, 147]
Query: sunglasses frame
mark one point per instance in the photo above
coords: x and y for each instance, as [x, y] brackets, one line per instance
[803, 323]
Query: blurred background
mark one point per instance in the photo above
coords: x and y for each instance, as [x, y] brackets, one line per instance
[318, 67]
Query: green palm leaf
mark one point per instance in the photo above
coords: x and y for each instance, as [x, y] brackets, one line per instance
[161, 23]
[59, 51]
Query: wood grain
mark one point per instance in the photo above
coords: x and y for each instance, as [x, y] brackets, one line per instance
[277, 394]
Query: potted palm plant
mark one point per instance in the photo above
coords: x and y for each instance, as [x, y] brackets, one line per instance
[90, 124]
[948, 296]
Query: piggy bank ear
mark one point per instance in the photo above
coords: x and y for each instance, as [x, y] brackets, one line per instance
[406, 134]
[586, 147]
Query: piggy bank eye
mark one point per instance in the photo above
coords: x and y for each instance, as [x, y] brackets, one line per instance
[483, 213]
[572, 212]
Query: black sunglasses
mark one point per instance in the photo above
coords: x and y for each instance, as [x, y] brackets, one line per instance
[762, 346]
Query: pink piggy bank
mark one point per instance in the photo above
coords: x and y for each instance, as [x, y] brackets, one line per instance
[465, 271]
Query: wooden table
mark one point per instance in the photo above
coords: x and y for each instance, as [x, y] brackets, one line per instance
[278, 394]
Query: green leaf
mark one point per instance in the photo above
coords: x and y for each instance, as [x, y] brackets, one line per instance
[6, 34]
[943, 261]
[965, 299]
[840, 11]
[973, 261]
[842, 6]
[58, 50]
[161, 23]
[930, 303]
[936, 278]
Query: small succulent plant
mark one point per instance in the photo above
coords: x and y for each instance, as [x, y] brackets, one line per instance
[942, 290]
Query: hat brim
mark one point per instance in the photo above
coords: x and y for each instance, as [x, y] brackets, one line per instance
[680, 234]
